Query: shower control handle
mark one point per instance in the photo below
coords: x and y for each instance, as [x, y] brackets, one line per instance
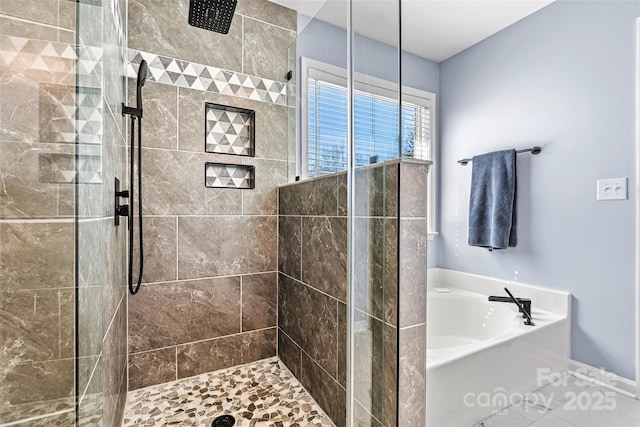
[123, 210]
[119, 210]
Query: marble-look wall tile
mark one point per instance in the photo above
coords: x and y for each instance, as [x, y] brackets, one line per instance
[45, 12]
[67, 14]
[342, 194]
[324, 255]
[374, 364]
[120, 401]
[160, 257]
[36, 255]
[342, 344]
[159, 123]
[316, 197]
[376, 278]
[259, 301]
[113, 56]
[89, 320]
[265, 49]
[59, 420]
[152, 367]
[263, 200]
[113, 157]
[115, 367]
[20, 93]
[291, 154]
[331, 397]
[216, 246]
[206, 356]
[290, 245]
[36, 388]
[163, 28]
[22, 193]
[412, 375]
[89, 15]
[181, 312]
[289, 353]
[363, 417]
[114, 280]
[19, 28]
[30, 328]
[90, 410]
[264, 10]
[413, 271]
[376, 190]
[67, 322]
[413, 189]
[88, 232]
[310, 319]
[271, 122]
[89, 374]
[173, 184]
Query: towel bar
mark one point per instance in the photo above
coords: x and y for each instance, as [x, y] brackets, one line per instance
[532, 150]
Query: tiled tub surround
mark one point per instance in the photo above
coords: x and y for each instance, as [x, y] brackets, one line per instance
[260, 393]
[312, 293]
[209, 298]
[54, 107]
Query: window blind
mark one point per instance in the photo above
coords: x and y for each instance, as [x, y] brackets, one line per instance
[375, 128]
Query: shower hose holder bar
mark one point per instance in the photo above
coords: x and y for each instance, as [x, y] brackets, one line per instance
[131, 111]
[532, 150]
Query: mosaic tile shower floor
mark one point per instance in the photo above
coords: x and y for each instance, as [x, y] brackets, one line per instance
[263, 393]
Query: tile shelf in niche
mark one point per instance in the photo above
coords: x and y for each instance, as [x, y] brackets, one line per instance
[224, 175]
[229, 130]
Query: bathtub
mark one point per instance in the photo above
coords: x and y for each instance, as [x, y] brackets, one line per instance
[481, 357]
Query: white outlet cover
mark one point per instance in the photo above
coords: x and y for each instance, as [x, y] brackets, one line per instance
[612, 189]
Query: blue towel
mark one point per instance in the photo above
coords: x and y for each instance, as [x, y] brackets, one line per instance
[492, 205]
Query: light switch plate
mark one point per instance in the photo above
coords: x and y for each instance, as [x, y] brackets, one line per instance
[612, 189]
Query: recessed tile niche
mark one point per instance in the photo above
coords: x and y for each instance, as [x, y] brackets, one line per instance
[229, 130]
[222, 175]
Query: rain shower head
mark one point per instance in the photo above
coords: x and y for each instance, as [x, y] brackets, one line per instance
[143, 70]
[212, 15]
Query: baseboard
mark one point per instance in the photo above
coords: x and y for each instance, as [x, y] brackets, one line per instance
[603, 378]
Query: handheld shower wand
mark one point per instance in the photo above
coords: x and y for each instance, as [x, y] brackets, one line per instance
[136, 114]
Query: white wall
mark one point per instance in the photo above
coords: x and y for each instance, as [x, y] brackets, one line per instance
[562, 78]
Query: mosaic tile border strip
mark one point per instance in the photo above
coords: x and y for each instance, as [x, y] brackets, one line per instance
[191, 75]
[263, 393]
[22, 53]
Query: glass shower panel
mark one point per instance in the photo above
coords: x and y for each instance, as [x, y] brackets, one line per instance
[291, 112]
[89, 207]
[373, 212]
[100, 244]
[37, 204]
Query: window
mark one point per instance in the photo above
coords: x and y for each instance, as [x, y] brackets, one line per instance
[323, 147]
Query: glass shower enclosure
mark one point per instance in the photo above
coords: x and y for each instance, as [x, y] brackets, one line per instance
[349, 93]
[63, 314]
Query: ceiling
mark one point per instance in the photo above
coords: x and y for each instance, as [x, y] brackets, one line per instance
[433, 29]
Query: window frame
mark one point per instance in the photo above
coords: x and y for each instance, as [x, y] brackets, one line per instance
[375, 86]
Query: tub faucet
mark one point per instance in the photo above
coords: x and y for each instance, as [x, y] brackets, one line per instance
[524, 305]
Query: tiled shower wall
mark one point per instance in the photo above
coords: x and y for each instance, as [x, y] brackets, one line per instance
[209, 298]
[60, 130]
[312, 306]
